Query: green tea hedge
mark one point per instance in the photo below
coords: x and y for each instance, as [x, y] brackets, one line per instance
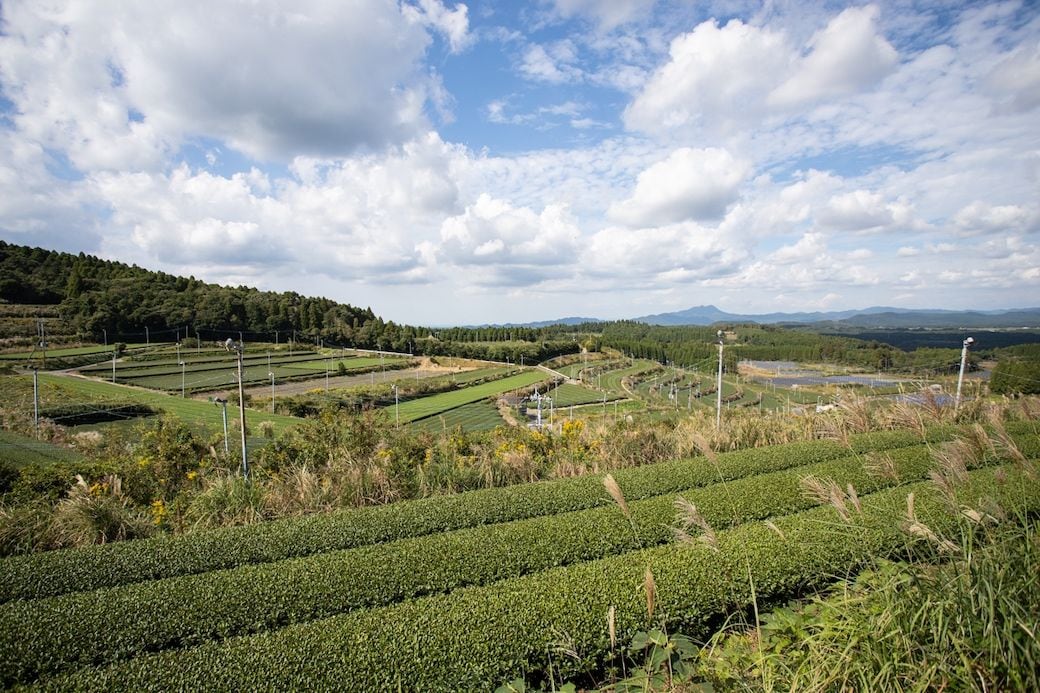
[475, 638]
[89, 628]
[70, 570]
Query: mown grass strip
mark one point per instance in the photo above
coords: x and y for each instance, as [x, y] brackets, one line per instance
[477, 638]
[46, 636]
[69, 570]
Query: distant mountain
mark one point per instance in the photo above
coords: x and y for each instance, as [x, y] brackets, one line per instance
[546, 323]
[875, 317]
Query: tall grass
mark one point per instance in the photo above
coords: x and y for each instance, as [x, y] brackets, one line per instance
[961, 612]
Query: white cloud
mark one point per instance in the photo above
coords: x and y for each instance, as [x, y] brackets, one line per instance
[363, 218]
[690, 184]
[121, 85]
[859, 210]
[711, 72]
[674, 253]
[981, 217]
[553, 63]
[846, 56]
[506, 245]
[38, 208]
[453, 24]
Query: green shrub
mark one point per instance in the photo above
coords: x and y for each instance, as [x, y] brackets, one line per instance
[55, 573]
[475, 638]
[267, 596]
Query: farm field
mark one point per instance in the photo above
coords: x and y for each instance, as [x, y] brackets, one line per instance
[20, 450]
[435, 404]
[215, 370]
[407, 604]
[476, 416]
[102, 351]
[192, 411]
[569, 394]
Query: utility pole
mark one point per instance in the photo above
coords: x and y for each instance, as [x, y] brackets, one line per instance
[718, 394]
[397, 410]
[239, 348]
[960, 378]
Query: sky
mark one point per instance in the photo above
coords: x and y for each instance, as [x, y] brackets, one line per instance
[490, 162]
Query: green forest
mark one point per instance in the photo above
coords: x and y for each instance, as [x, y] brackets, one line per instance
[104, 300]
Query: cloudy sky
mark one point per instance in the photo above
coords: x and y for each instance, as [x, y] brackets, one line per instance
[450, 163]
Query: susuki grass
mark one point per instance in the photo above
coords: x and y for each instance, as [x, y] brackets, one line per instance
[960, 611]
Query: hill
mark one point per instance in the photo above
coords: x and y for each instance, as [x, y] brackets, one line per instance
[875, 317]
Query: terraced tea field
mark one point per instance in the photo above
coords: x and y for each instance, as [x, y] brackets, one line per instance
[469, 591]
[415, 409]
[21, 451]
[189, 410]
[476, 416]
[214, 370]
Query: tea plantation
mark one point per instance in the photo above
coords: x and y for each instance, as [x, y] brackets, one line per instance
[469, 591]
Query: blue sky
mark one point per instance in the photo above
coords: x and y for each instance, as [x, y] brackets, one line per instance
[451, 163]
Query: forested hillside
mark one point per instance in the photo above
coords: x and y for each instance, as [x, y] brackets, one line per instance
[99, 299]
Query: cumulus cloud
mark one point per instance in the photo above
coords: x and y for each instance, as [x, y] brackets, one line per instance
[452, 24]
[508, 245]
[121, 85]
[39, 208]
[669, 254]
[859, 210]
[553, 63]
[358, 218]
[846, 56]
[712, 70]
[981, 217]
[691, 184]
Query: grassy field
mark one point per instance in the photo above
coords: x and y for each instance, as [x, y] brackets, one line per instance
[435, 404]
[214, 370]
[100, 350]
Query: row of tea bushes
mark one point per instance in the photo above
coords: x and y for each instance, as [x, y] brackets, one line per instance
[70, 570]
[95, 627]
[478, 637]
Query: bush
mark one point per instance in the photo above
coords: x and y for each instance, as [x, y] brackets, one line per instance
[251, 598]
[474, 638]
[60, 572]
